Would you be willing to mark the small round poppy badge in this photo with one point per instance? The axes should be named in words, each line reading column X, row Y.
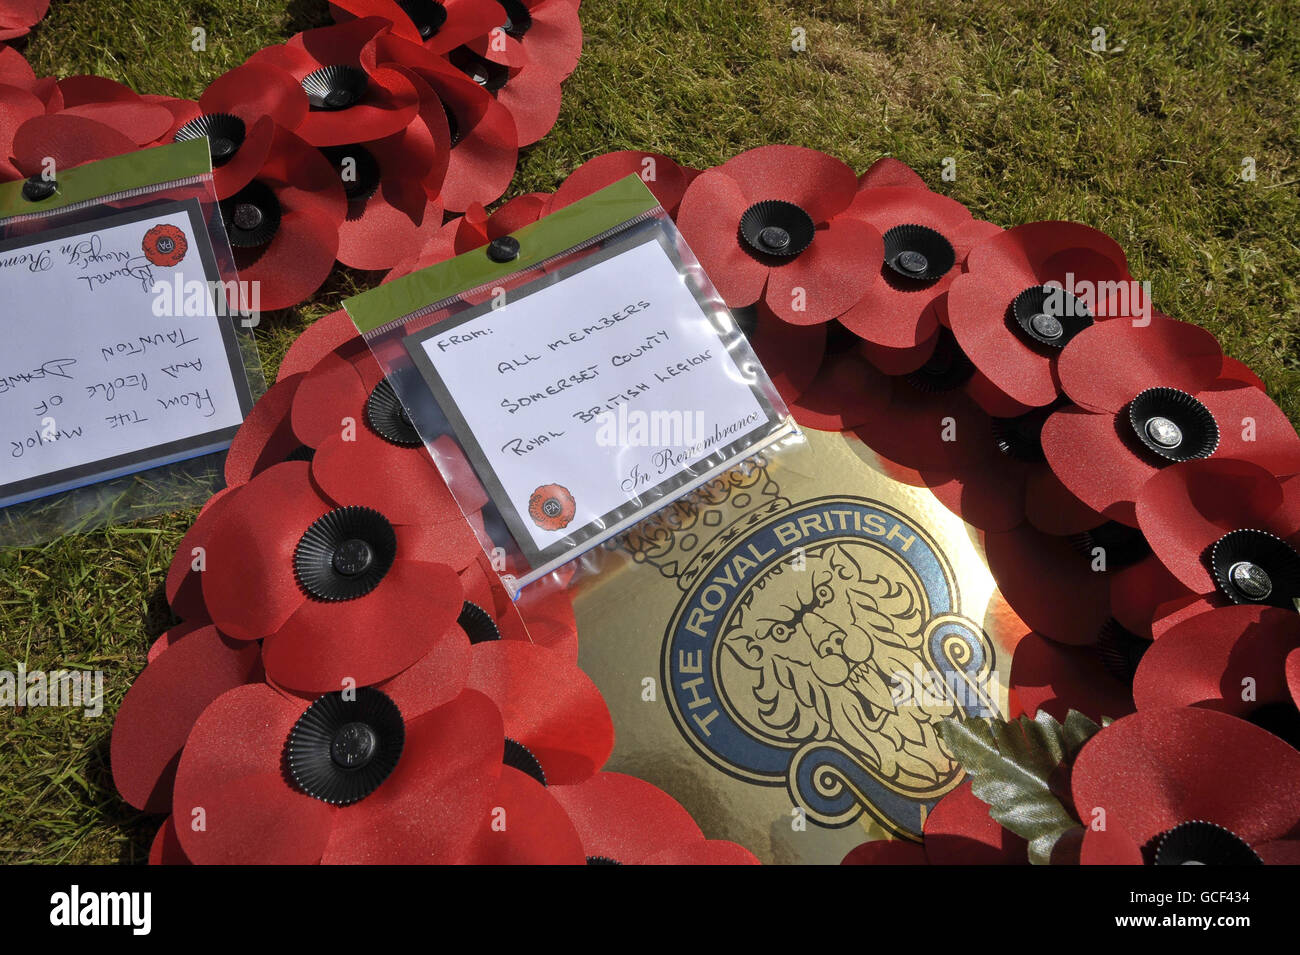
column 551, row 507
column 165, row 245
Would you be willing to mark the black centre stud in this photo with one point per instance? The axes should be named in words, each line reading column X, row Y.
column 918, row 253
column 345, row 554
column 332, row 88
column 38, row 188
column 345, row 745
column 1049, row 315
column 1254, row 566
column 388, row 418
column 778, row 228
column 1173, row 425
column 503, row 248
column 1203, row 843
column 224, row 132
column 427, row 15
column 518, row 20
column 491, row 76
column 251, row 216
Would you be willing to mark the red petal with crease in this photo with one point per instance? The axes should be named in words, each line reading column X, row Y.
column 526, row 826
column 138, row 121
column 166, row 847
column 960, row 831
column 1252, row 427
column 1184, row 509
column 833, row 273
column 160, row 708
column 1048, row 676
column 1051, row 587
column 709, row 220
column 668, row 183
column 548, row 705
column 328, row 333
column 625, row 819
column 887, row 171
column 67, row 139
column 255, row 90
column 259, row 820
column 533, row 98
column 16, row 107
column 266, row 437
column 436, row 678
column 370, row 638
column 430, row 809
column 412, row 491
column 819, row 184
column 1206, row 660
column 332, row 392
column 1095, row 462
column 249, row 586
column 1105, row 365
column 1160, row 767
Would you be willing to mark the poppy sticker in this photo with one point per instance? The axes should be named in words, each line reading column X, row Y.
column 165, row 244
column 551, row 507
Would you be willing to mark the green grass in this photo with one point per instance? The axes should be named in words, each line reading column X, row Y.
column 1145, row 141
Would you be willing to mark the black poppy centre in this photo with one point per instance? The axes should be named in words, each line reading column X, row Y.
column 1049, row 315
column 776, row 228
column 918, row 254
column 1173, row 424
column 345, row 745
column 345, row 554
column 333, row 88
column 1203, row 843
column 1254, row 566
column 224, row 132
column 251, row 216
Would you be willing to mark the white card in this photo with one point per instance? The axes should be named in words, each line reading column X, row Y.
column 587, row 403
column 116, row 357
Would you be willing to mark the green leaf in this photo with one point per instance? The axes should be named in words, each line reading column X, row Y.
column 1011, row 764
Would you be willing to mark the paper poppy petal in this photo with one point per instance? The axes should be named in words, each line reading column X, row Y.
column 1136, row 591
column 1105, row 365
column 887, row 851
column 828, row 277
column 155, row 718
column 555, row 39
column 533, row 98
column 255, row 90
column 15, row 70
column 327, row 397
column 1184, row 509
column 1208, row 660
column 166, row 846
column 1234, row 370
column 16, row 107
column 1095, row 462
column 412, row 492
column 249, row 586
column 184, row 585
column 431, row 807
column 68, row 139
column 328, row 333
column 790, row 354
column 383, row 227
column 297, row 261
column 1252, row 427
column 662, row 176
column 887, row 171
column 548, row 705
column 525, row 826
column 626, row 819
column 709, row 220
column 1050, row 507
column 138, row 121
column 819, row 184
column 259, row 820
column 436, row 678
column 1051, row 587
column 960, row 831
column 367, row 639
column 1055, row 678
column 266, row 437
column 1109, row 846
column 1160, row 767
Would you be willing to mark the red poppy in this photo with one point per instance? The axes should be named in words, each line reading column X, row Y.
column 439, row 26
column 1011, row 322
column 1232, row 659
column 772, row 223
column 1183, row 784
column 957, row 831
column 1148, row 396
column 663, row 177
column 351, row 98
column 284, row 224
column 17, row 17
column 17, row 106
column 239, row 113
column 623, row 820
column 523, row 61
column 484, row 139
column 471, row 231
column 1225, row 527
column 927, row 237
column 91, row 118
column 345, row 577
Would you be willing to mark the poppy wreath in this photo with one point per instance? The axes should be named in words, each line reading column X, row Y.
column 348, row 143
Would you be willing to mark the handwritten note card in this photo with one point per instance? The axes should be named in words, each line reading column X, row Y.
column 115, row 355
column 591, row 401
